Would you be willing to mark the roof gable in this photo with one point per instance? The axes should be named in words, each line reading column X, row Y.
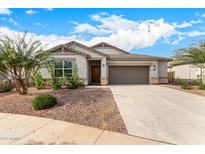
column 74, row 43
column 104, row 44
column 63, row 49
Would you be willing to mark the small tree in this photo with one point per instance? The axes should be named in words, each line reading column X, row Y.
column 74, row 81
column 191, row 55
column 39, row 81
column 55, row 81
column 19, row 57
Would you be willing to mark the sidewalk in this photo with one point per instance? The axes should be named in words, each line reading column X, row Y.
column 21, row 129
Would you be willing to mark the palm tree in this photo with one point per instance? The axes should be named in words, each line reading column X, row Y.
column 19, row 57
column 191, row 55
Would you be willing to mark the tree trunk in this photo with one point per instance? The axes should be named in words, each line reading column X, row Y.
column 16, row 82
column 23, row 88
column 20, row 86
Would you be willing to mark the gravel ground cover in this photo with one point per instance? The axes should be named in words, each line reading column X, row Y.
column 193, row 91
column 93, row 107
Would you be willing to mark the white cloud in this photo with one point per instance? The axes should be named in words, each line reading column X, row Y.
column 182, row 25
column 87, row 28
column 114, row 22
column 49, row 9
column 12, row 21
column 178, row 40
column 47, row 40
column 194, row 33
column 146, row 34
column 41, row 25
column 5, row 11
column 31, row 12
column 196, row 21
column 203, row 15
column 187, row 24
column 127, row 34
column 120, row 31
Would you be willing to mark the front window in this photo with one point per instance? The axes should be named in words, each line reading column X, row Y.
column 63, row 68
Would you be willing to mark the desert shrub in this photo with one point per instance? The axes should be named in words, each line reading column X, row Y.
column 186, row 85
column 5, row 86
column 202, row 86
column 44, row 101
column 196, row 82
column 178, row 81
column 56, row 83
column 81, row 83
column 74, row 81
column 39, row 81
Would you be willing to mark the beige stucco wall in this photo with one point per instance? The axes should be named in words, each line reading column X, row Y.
column 108, row 50
column 163, row 73
column 104, row 77
column 81, row 62
column 104, row 71
column 186, row 72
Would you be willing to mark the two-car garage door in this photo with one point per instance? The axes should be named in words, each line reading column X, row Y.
column 128, row 74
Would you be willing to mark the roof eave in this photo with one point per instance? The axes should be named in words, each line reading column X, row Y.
column 141, row 59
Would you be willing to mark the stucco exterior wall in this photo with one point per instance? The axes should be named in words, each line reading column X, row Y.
column 163, row 74
column 81, row 62
column 186, row 72
column 104, row 72
column 108, row 50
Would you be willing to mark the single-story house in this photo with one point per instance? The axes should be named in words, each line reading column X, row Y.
column 186, row 72
column 106, row 64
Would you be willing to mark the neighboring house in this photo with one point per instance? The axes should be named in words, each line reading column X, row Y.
column 106, row 64
column 186, row 72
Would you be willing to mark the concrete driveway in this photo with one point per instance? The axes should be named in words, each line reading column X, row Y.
column 161, row 113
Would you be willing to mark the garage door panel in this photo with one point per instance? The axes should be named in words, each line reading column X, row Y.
column 128, row 74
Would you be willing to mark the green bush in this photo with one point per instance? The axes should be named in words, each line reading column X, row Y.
column 186, row 85
column 56, row 83
column 74, row 82
column 179, row 81
column 196, row 82
column 44, row 101
column 39, row 81
column 5, row 86
column 202, row 86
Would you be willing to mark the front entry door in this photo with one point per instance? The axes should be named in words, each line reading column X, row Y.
column 95, row 74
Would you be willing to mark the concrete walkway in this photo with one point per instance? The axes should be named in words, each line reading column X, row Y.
column 22, row 129
column 161, row 113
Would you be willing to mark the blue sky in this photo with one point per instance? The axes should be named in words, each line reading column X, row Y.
column 144, row 31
